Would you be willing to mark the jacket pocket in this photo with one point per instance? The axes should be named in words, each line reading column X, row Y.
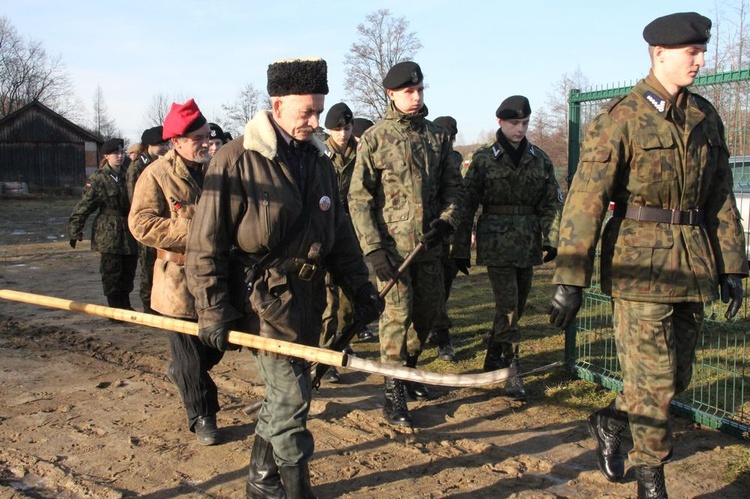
column 654, row 156
column 273, row 301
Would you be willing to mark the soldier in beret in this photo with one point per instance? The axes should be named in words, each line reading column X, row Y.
column 405, row 189
column 674, row 242
column 268, row 223
column 164, row 201
column 105, row 193
column 152, row 146
column 514, row 182
column 217, row 138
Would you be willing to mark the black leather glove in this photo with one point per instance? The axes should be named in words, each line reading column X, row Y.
column 383, row 263
column 367, row 304
column 440, row 230
column 550, row 253
column 566, row 301
column 217, row 337
column 462, row 264
column 731, row 292
column 73, row 240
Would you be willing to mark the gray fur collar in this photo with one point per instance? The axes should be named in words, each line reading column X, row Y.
column 260, row 136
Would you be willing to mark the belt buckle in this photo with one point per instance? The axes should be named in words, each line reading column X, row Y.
column 307, row 271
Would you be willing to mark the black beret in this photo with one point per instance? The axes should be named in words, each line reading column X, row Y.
column 297, row 77
column 359, row 125
column 215, row 132
column 152, row 136
column 227, row 136
column 112, row 145
column 448, row 123
column 338, row 116
column 403, row 74
column 515, row 107
column 682, row 28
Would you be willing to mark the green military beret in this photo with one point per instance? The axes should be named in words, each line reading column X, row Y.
column 403, row 74
column 515, row 107
column 338, row 116
column 682, row 28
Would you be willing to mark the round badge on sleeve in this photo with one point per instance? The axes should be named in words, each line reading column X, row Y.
column 325, row 203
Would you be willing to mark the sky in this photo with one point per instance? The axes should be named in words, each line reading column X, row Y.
column 474, row 54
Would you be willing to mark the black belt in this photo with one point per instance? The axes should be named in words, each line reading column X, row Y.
column 305, row 269
column 500, row 209
column 651, row 214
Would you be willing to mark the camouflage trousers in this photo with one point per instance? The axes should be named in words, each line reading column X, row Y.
column 146, row 259
column 338, row 314
column 118, row 273
column 443, row 320
column 656, row 349
column 511, row 287
column 411, row 307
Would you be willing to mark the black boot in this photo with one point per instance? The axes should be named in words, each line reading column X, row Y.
column 514, row 386
column 263, row 479
column 125, row 301
column 651, row 482
column 296, row 480
column 606, row 426
column 394, row 407
column 113, row 300
column 494, row 360
column 442, row 339
column 415, row 389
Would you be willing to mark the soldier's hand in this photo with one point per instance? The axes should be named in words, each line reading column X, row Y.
column 731, row 292
column 73, row 243
column 565, row 303
column 440, row 230
column 382, row 263
column 217, row 337
column 462, row 264
column 368, row 305
column 549, row 253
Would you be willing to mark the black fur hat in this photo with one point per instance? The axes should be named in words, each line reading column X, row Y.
column 297, row 77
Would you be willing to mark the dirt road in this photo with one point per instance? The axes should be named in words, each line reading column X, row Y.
column 86, row 411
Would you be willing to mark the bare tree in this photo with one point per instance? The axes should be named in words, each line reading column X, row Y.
column 102, row 124
column 28, row 73
column 242, row 109
column 157, row 110
column 384, row 40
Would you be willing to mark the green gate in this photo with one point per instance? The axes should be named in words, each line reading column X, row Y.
column 718, row 395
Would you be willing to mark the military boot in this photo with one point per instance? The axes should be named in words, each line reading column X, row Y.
column 415, row 389
column 442, row 339
column 125, row 301
column 263, row 479
column 394, row 406
column 113, row 301
column 651, row 483
column 296, row 480
column 514, row 386
column 606, row 426
column 494, row 359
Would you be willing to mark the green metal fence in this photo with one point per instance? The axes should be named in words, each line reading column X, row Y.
column 719, row 394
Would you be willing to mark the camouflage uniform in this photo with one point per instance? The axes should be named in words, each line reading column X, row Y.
column 146, row 254
column 646, row 150
column 520, row 214
column 106, row 194
column 403, row 180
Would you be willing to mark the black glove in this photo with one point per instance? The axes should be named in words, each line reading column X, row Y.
column 550, row 253
column 367, row 304
column 566, row 301
column 217, row 337
column 440, row 230
column 73, row 240
column 462, row 264
column 731, row 290
column 382, row 263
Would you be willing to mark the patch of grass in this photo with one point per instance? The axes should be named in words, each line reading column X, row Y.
column 737, row 465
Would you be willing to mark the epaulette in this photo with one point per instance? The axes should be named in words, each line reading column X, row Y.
column 609, row 106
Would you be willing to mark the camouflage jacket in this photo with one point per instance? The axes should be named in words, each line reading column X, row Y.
column 513, row 240
column 344, row 165
column 163, row 205
column 636, row 153
column 249, row 203
column 106, row 194
column 134, row 171
column 403, row 180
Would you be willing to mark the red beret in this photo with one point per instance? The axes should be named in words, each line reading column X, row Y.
column 182, row 119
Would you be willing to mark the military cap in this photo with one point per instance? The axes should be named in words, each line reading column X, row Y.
column 216, row 133
column 297, row 77
column 515, row 107
column 182, row 119
column 682, row 28
column 359, row 125
column 338, row 116
column 403, row 74
column 448, row 123
column 152, row 136
column 112, row 145
column 227, row 136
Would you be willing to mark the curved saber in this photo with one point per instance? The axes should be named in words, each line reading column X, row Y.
column 312, row 354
